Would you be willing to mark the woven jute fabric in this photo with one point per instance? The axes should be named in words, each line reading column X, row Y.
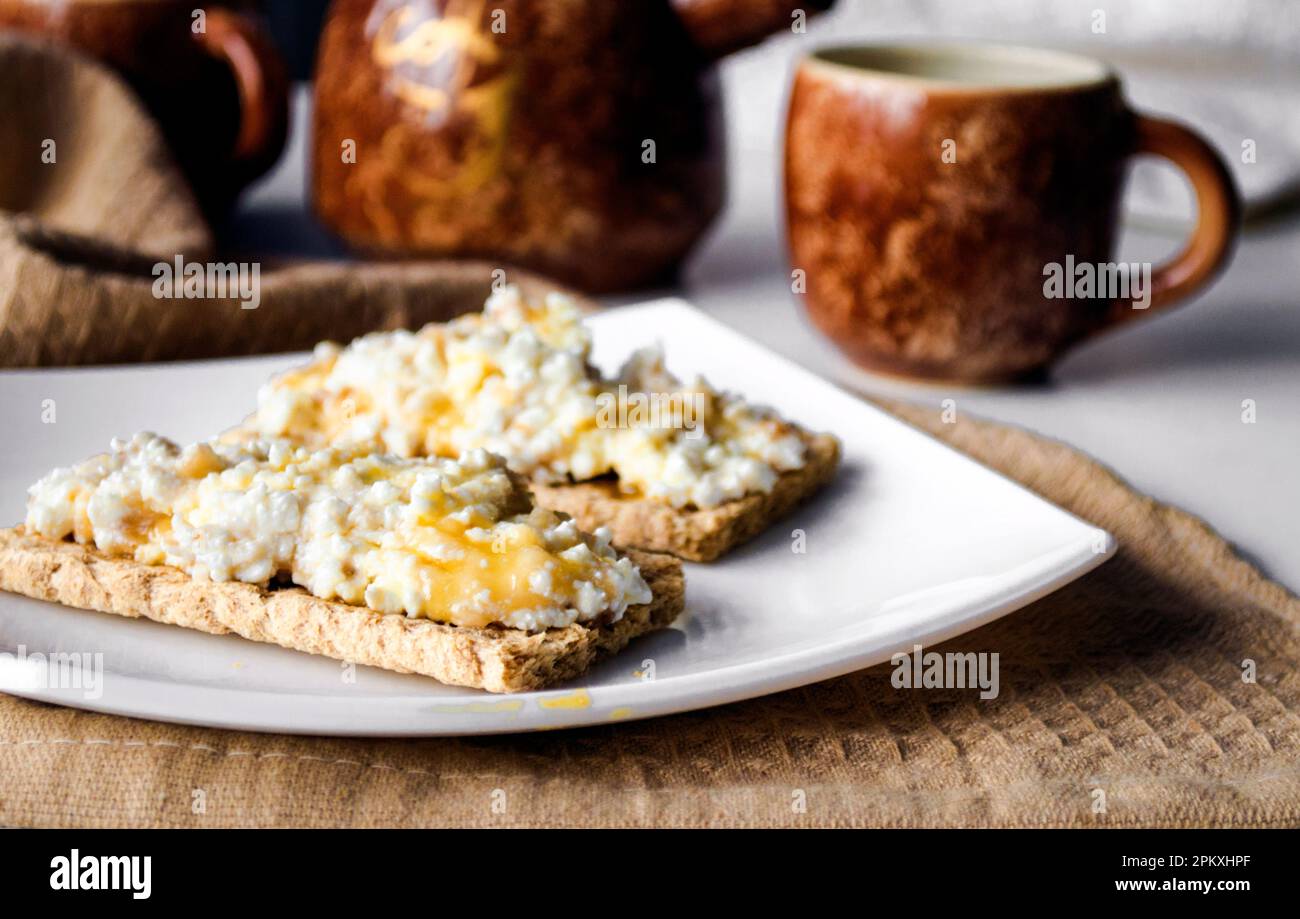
column 1122, row 702
column 1160, row 690
column 91, row 204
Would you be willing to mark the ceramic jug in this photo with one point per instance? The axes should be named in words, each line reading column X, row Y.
column 580, row 138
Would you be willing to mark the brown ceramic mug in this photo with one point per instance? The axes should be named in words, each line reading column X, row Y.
column 217, row 87
column 580, row 138
column 946, row 202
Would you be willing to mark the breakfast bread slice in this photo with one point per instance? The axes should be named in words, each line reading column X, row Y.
column 695, row 534
column 495, row 659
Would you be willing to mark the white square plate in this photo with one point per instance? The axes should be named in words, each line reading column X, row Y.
column 912, row 543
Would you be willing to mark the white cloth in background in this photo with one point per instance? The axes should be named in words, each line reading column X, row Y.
column 1231, row 68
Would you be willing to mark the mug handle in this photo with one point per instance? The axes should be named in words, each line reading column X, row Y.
column 259, row 79
column 1218, row 205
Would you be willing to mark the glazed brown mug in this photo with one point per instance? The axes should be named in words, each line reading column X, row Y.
column 215, row 83
column 580, row 138
column 952, row 208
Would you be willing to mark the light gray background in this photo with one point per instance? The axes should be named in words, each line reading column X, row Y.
column 1160, row 402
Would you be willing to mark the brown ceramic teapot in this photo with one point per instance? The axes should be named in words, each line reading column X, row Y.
column 581, row 138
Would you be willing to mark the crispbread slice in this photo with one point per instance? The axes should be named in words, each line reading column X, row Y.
column 699, row 535
column 495, row 659
column 693, row 534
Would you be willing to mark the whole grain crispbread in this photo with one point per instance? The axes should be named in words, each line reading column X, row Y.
column 697, row 535
column 495, row 659
column 693, row 534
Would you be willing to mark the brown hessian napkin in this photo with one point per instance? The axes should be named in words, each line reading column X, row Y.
column 90, row 203
column 1125, row 699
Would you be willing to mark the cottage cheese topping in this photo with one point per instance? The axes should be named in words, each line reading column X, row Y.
column 451, row 540
column 515, row 380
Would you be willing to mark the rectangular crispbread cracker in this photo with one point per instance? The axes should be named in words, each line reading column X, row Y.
column 697, row 535
column 495, row 659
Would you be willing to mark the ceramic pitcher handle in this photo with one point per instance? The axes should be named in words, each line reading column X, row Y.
column 1218, row 219
column 259, row 78
column 719, row 27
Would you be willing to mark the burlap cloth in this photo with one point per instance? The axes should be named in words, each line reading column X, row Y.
column 1122, row 701
column 90, row 202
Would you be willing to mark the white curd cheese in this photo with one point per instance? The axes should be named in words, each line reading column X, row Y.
column 453, row 540
column 516, row 380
